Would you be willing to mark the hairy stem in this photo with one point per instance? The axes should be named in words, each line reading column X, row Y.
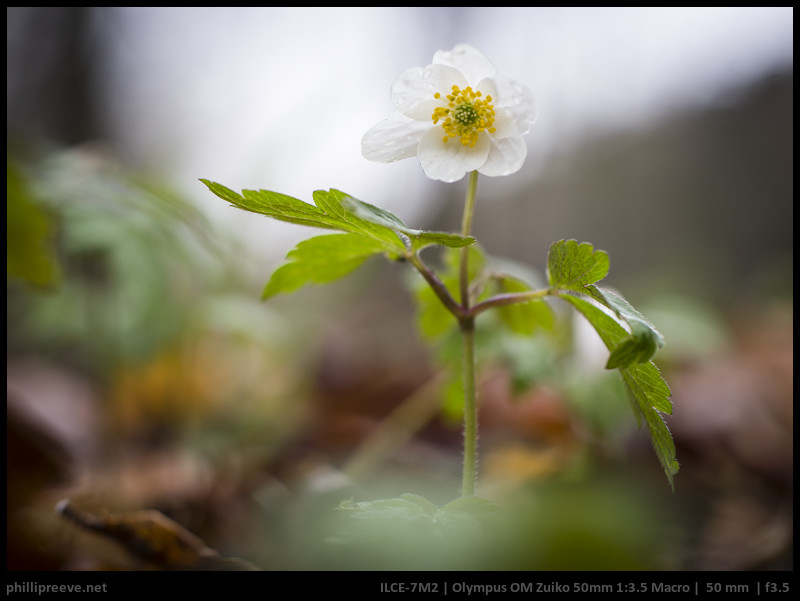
column 467, row 325
column 466, row 229
column 511, row 298
column 437, row 286
column 470, row 469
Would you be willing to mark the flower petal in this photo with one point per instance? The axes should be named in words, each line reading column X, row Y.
column 505, row 124
column 471, row 62
column 517, row 99
column 506, row 156
column 450, row 161
column 394, row 138
column 412, row 92
column 487, row 88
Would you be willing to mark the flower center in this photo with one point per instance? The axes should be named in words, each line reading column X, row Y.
column 466, row 115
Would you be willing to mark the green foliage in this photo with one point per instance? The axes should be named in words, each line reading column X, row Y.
column 411, row 533
column 419, row 239
column 370, row 231
column 320, row 260
column 433, row 319
column 126, row 247
column 601, row 522
column 650, row 392
column 460, row 517
column 466, row 514
column 573, row 269
column 646, row 389
column 636, row 347
column 644, row 340
column 339, row 211
column 631, row 339
column 506, row 336
column 29, row 254
column 573, row 266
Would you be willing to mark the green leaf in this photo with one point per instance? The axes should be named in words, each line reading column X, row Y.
column 407, row 508
column 225, row 193
column 339, row 211
column 644, row 341
column 646, row 389
column 610, row 331
column 523, row 318
column 576, row 267
column 373, row 214
column 328, row 212
column 650, row 385
column 573, row 266
column 275, row 205
column 649, row 391
column 339, row 208
column 471, row 505
column 637, row 349
column 419, row 239
column 465, row 515
column 321, row 260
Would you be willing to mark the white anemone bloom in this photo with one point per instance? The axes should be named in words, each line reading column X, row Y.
column 456, row 115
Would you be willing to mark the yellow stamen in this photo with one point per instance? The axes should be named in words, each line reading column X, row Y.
column 466, row 116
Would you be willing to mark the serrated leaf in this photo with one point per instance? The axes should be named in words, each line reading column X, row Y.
column 610, row 331
column 336, row 210
column 465, row 515
column 339, row 208
column 650, row 385
column 321, row 260
column 637, row 349
column 649, row 390
column 573, row 266
column 223, row 192
column 471, row 505
column 406, row 508
column 523, row 318
column 421, row 502
column 280, row 207
column 646, row 389
column 419, row 239
column 644, row 341
column 328, row 212
column 373, row 214
column 638, row 345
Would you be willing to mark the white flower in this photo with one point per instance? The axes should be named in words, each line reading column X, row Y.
column 456, row 115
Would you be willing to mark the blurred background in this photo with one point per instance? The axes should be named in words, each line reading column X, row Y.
column 144, row 372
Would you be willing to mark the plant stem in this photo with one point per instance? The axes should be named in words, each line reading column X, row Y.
column 470, row 469
column 467, row 324
column 510, row 298
column 466, row 229
column 437, row 286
